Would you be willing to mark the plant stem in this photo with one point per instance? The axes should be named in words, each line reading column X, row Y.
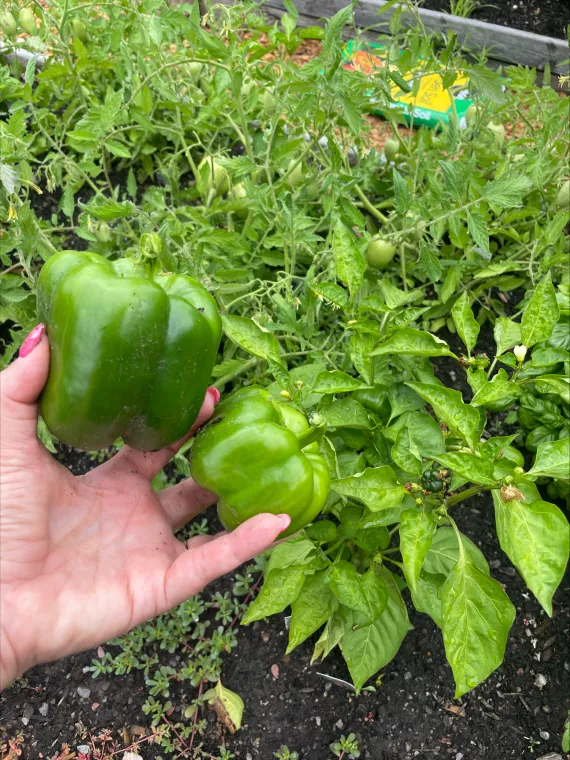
column 492, row 367
column 369, row 207
column 394, row 562
column 467, row 494
column 310, row 436
column 403, row 266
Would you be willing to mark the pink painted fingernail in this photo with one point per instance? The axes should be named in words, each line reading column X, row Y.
column 285, row 521
column 32, row 340
column 214, row 393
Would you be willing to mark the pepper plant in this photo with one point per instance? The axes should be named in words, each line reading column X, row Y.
column 406, row 452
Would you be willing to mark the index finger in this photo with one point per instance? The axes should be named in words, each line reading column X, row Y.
column 197, row 567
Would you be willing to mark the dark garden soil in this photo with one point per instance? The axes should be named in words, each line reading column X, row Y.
column 547, row 17
column 517, row 713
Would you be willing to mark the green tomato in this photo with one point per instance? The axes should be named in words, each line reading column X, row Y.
column 415, row 232
column 312, row 190
column 247, row 87
column 380, row 253
column 8, row 24
column 212, row 176
column 268, row 103
column 103, row 232
column 239, row 191
column 194, row 70
column 498, row 131
column 471, row 114
column 563, row 197
column 391, row 148
column 237, row 194
column 295, row 176
column 150, row 244
column 79, row 31
column 27, row 21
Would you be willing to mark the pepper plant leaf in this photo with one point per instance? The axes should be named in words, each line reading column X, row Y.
column 417, row 529
column 535, row 537
column 370, row 648
column 476, row 618
column 376, row 487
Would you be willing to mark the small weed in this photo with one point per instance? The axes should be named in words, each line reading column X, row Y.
column 346, row 748
column 284, row 753
column 11, row 749
column 187, row 645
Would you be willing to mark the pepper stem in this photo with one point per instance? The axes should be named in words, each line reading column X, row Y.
column 310, row 436
column 150, row 247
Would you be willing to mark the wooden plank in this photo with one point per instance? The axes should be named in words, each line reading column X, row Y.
column 501, row 43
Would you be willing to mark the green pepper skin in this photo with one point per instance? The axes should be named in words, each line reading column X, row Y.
column 431, row 482
column 252, row 456
column 375, row 400
column 131, row 351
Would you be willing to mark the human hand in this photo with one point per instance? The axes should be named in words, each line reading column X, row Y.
column 84, row 559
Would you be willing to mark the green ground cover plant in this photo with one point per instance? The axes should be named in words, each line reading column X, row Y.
column 334, row 266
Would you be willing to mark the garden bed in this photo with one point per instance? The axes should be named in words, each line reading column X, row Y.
column 546, row 17
column 472, row 224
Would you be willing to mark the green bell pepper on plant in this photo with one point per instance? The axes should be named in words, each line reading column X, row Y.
column 258, row 455
column 375, row 400
column 432, row 481
column 132, row 350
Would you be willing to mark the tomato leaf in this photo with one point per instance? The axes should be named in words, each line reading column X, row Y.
column 467, row 327
column 349, row 259
column 249, row 336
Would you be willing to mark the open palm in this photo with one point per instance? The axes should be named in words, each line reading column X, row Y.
column 86, row 558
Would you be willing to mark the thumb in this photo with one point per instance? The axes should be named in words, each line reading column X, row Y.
column 20, row 386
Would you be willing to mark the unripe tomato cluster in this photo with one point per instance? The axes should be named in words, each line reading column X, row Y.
column 26, row 22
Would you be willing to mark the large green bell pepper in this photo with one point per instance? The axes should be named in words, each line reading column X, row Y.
column 132, row 350
column 258, row 455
